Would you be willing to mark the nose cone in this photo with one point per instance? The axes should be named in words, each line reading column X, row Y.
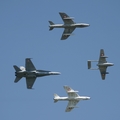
column 88, row 98
column 54, row 73
column 112, row 64
column 86, row 25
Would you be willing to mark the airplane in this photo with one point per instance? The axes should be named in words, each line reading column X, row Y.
column 73, row 98
column 69, row 25
column 30, row 73
column 102, row 64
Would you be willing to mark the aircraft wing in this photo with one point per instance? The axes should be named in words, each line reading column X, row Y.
column 30, row 82
column 102, row 58
column 29, row 65
column 70, row 92
column 103, row 71
column 66, row 19
column 71, row 105
column 67, row 32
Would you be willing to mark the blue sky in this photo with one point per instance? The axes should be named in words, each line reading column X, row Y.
column 24, row 32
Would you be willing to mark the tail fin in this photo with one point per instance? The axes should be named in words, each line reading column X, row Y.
column 51, row 23
column 55, row 98
column 89, row 64
column 16, row 68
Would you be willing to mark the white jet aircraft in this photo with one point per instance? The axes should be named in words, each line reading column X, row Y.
column 73, row 98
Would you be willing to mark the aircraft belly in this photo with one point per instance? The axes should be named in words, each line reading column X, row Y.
column 58, row 26
column 102, row 65
column 42, row 75
column 74, row 98
column 31, row 76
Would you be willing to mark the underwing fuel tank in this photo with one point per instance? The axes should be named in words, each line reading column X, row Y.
column 89, row 64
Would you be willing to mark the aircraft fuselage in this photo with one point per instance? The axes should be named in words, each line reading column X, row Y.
column 105, row 64
column 36, row 73
column 72, row 98
column 79, row 25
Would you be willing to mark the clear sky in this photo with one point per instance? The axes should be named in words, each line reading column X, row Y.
column 24, row 32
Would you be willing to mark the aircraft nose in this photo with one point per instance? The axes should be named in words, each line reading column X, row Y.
column 54, row 73
column 89, row 98
column 57, row 73
column 112, row 64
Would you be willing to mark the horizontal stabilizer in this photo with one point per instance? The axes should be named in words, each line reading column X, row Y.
column 16, row 68
column 56, row 96
column 51, row 23
column 17, row 79
column 55, row 101
column 51, row 28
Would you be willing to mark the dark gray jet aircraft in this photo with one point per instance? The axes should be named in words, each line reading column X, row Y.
column 69, row 25
column 30, row 73
column 102, row 64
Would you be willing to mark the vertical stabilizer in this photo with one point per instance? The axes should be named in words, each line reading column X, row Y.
column 89, row 64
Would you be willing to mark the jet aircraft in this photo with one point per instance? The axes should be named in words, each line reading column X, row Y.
column 69, row 25
column 102, row 64
column 30, row 73
column 73, row 98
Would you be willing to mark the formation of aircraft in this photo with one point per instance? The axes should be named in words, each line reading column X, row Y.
column 69, row 25
column 30, row 73
column 73, row 98
column 102, row 64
